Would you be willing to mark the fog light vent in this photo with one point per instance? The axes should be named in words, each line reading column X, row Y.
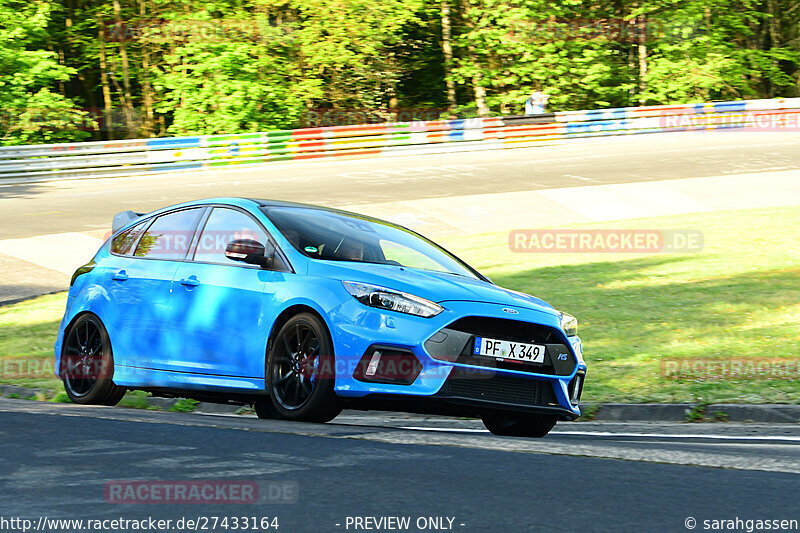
column 373, row 364
column 388, row 365
column 575, row 388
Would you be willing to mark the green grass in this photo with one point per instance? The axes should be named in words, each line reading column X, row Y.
column 184, row 405
column 27, row 334
column 738, row 298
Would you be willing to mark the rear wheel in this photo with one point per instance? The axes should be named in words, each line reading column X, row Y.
column 87, row 365
column 301, row 371
column 519, row 425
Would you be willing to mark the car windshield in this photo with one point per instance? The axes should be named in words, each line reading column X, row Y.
column 334, row 236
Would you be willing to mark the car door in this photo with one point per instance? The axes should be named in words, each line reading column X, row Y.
column 222, row 306
column 140, row 282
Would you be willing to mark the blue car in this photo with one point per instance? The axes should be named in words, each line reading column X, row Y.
column 302, row 311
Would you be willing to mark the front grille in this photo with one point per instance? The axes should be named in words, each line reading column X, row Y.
column 496, row 388
column 456, row 343
column 503, row 328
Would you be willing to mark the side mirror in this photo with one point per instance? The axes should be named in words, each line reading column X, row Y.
column 251, row 252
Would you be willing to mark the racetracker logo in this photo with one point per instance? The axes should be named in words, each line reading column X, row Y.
column 622, row 241
column 199, row 492
column 785, row 120
column 728, row 369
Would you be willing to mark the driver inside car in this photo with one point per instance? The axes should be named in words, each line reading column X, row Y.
column 349, row 250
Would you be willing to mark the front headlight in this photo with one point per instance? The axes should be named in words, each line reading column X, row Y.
column 568, row 323
column 383, row 298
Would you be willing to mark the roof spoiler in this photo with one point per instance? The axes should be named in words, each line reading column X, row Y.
column 123, row 219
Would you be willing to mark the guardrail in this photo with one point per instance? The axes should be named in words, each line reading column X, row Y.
column 143, row 156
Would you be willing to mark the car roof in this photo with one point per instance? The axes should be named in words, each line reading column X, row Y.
column 298, row 205
column 247, row 202
column 282, row 203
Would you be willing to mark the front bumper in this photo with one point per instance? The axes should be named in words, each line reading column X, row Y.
column 473, row 383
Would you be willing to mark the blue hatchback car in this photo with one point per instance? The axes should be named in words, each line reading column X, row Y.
column 301, row 311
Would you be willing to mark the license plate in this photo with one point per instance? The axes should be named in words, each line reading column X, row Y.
column 518, row 351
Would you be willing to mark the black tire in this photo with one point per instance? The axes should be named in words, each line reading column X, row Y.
column 115, row 397
column 301, row 371
column 265, row 409
column 87, row 364
column 519, row 425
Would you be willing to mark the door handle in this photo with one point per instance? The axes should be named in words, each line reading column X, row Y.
column 120, row 276
column 191, row 281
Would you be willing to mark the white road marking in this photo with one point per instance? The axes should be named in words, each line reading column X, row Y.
column 783, row 438
column 786, row 438
column 456, row 430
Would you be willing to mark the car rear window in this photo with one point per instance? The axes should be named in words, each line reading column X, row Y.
column 121, row 244
column 170, row 236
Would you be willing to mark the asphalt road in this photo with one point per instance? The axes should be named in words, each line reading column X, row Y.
column 56, row 460
column 49, row 229
column 28, row 210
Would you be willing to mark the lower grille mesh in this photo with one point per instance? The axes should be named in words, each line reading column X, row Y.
column 497, row 388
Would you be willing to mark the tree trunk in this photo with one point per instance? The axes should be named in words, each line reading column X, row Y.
column 477, row 79
column 642, row 58
column 148, row 127
column 130, row 122
column 61, row 61
column 108, row 120
column 775, row 42
column 447, row 48
column 480, row 96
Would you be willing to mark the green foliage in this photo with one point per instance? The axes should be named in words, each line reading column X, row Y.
column 589, row 411
column 135, row 400
column 108, row 69
column 720, row 416
column 31, row 113
column 697, row 414
column 61, row 397
column 184, row 405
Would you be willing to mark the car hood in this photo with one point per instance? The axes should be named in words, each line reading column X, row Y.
column 435, row 286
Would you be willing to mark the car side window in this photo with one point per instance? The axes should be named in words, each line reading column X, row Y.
column 121, row 244
column 223, row 226
column 169, row 236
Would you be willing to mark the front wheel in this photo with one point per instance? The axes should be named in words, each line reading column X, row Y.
column 264, row 408
column 87, row 364
column 519, row 425
column 301, row 371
